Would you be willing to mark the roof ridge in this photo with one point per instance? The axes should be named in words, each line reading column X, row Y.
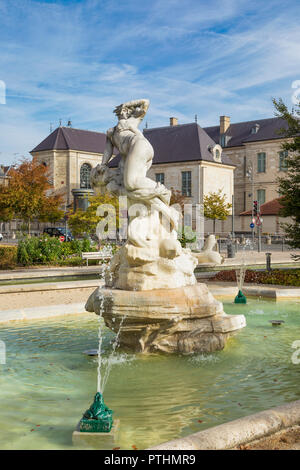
column 82, row 130
column 246, row 122
column 170, row 127
column 65, row 138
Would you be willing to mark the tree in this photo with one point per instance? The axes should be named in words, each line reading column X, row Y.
column 29, row 195
column 289, row 184
column 85, row 222
column 177, row 198
column 216, row 207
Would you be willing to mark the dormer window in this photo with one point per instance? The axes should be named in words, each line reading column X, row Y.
column 224, row 139
column 255, row 129
column 216, row 152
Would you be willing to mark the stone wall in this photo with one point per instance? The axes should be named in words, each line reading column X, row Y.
column 242, row 157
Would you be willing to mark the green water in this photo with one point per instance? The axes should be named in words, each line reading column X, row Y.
column 47, row 381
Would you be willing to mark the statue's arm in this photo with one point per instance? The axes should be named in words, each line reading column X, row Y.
column 108, row 151
column 143, row 104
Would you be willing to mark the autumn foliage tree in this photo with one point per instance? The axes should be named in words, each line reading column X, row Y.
column 216, row 207
column 29, row 195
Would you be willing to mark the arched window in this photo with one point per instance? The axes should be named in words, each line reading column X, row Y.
column 85, row 176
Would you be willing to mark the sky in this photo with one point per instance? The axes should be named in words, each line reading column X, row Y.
column 77, row 59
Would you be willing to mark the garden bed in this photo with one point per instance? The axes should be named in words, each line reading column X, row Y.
column 279, row 277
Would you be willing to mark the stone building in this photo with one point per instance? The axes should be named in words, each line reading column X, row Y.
column 186, row 158
column 243, row 159
column 70, row 155
column 4, row 174
column 255, row 148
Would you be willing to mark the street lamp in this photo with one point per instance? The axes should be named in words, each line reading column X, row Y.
column 250, row 175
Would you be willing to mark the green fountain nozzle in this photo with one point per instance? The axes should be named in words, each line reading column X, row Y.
column 98, row 418
column 240, row 298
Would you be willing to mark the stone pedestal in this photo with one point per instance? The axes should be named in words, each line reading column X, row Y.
column 81, row 198
column 185, row 320
column 96, row 440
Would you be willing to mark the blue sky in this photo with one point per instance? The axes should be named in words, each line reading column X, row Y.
column 77, row 60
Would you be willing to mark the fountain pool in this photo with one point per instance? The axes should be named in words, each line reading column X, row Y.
column 47, row 381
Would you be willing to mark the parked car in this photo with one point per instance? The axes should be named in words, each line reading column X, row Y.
column 1, row 237
column 59, row 232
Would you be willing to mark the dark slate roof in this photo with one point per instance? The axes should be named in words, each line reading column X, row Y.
column 68, row 138
column 268, row 208
column 240, row 132
column 181, row 143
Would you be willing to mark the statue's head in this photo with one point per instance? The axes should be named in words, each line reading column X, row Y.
column 125, row 112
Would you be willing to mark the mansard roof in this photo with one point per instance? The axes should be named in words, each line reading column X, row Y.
column 240, row 133
column 68, row 138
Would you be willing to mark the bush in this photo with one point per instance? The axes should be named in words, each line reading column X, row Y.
column 8, row 257
column 280, row 277
column 187, row 236
column 49, row 250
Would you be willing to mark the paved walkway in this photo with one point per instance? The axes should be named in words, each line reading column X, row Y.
column 48, row 271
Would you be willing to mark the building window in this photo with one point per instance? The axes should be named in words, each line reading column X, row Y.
column 282, row 160
column 261, row 196
column 186, row 183
column 160, row 178
column 261, row 162
column 85, row 176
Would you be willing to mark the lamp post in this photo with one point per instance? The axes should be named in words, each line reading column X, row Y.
column 250, row 175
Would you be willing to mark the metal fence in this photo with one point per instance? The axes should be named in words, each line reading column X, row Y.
column 278, row 243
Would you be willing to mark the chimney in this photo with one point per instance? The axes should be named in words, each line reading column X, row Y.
column 224, row 124
column 173, row 121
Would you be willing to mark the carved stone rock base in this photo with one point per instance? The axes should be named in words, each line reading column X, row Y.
column 185, row 320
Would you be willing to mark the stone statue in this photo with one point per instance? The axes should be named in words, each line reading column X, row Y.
column 151, row 296
column 152, row 256
column 208, row 255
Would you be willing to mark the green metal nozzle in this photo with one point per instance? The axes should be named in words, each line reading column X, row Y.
column 98, row 418
column 240, row 298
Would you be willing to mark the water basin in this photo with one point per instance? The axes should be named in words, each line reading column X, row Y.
column 47, row 381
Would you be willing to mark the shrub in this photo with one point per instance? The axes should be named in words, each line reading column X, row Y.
column 280, row 277
column 8, row 257
column 49, row 250
column 187, row 236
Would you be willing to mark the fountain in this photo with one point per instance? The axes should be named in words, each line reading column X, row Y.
column 240, row 277
column 151, row 298
column 150, row 279
column 241, row 272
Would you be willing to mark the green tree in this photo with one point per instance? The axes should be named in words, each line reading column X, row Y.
column 29, row 195
column 85, row 222
column 216, row 207
column 289, row 184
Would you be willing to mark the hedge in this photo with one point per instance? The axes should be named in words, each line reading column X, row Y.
column 8, row 257
column 280, row 277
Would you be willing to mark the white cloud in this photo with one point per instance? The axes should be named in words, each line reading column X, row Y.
column 189, row 57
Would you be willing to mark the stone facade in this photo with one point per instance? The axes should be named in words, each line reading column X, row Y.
column 64, row 168
column 206, row 177
column 244, row 157
column 247, row 155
